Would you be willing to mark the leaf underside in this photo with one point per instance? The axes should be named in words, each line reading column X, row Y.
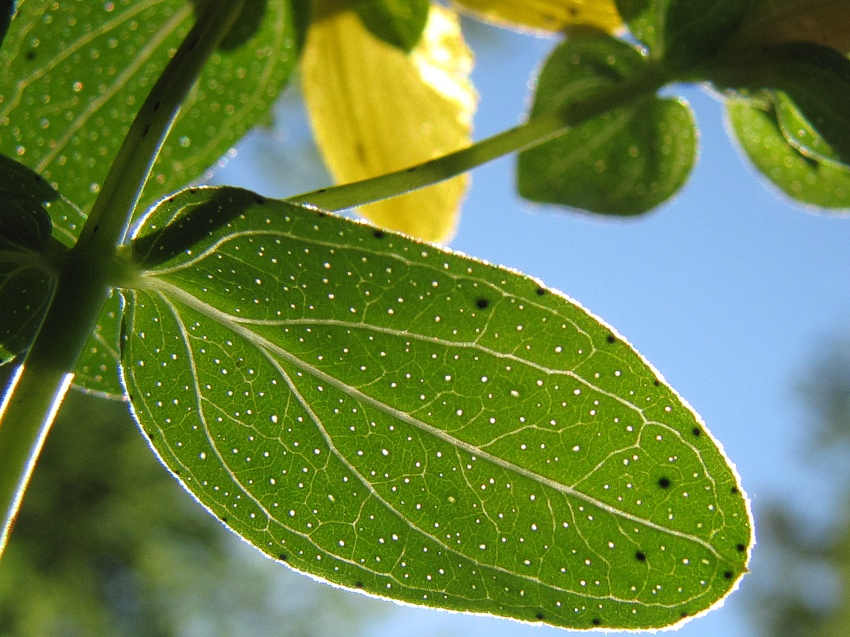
column 625, row 162
column 806, row 178
column 415, row 424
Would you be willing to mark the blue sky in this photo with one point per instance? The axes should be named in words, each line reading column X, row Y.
column 729, row 290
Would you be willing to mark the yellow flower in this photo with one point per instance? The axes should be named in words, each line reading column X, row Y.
column 376, row 109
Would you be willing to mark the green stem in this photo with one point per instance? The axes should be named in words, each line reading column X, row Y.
column 32, row 399
column 535, row 131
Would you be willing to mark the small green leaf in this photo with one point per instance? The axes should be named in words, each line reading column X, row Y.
column 812, row 92
column 404, row 421
column 803, row 177
column 396, row 22
column 73, row 75
column 625, row 162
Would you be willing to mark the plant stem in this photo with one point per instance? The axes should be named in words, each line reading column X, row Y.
column 32, row 399
column 536, row 131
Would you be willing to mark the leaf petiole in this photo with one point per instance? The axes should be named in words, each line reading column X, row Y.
column 536, row 130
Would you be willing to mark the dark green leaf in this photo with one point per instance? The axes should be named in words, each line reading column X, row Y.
column 7, row 10
column 17, row 178
column 396, row 22
column 694, row 31
column 27, row 276
column 24, row 223
column 415, row 424
column 73, row 74
column 683, row 32
column 643, row 19
column 804, row 178
column 625, row 162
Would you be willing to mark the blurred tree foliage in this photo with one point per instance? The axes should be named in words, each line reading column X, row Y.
column 804, row 589
column 108, row 544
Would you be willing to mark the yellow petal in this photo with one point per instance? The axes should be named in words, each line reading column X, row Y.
column 547, row 15
column 375, row 110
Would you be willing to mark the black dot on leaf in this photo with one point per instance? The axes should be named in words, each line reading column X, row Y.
column 30, row 55
column 540, row 291
column 696, row 431
column 663, row 482
column 656, row 382
column 539, row 616
column 358, row 584
column 223, row 518
column 260, row 200
column 611, row 338
column 482, row 304
column 282, row 557
column 741, row 548
column 734, row 490
column 378, row 234
column 596, row 621
column 727, row 574
column 683, row 615
column 640, row 556
column 321, row 214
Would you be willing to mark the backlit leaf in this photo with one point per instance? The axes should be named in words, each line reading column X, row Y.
column 97, row 369
column 396, row 22
column 414, row 424
column 804, row 178
column 375, row 109
column 624, row 162
column 74, row 73
column 811, row 84
column 546, row 15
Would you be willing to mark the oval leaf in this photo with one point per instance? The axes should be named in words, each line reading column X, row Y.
column 407, row 422
column 804, row 178
column 396, row 22
column 648, row 147
column 549, row 15
column 375, row 110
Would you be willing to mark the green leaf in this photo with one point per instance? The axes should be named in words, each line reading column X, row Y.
column 625, row 162
column 812, row 90
column 642, row 17
column 396, row 22
column 27, row 278
column 683, row 33
column 404, row 421
column 695, row 31
column 73, row 74
column 801, row 177
column 97, row 369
